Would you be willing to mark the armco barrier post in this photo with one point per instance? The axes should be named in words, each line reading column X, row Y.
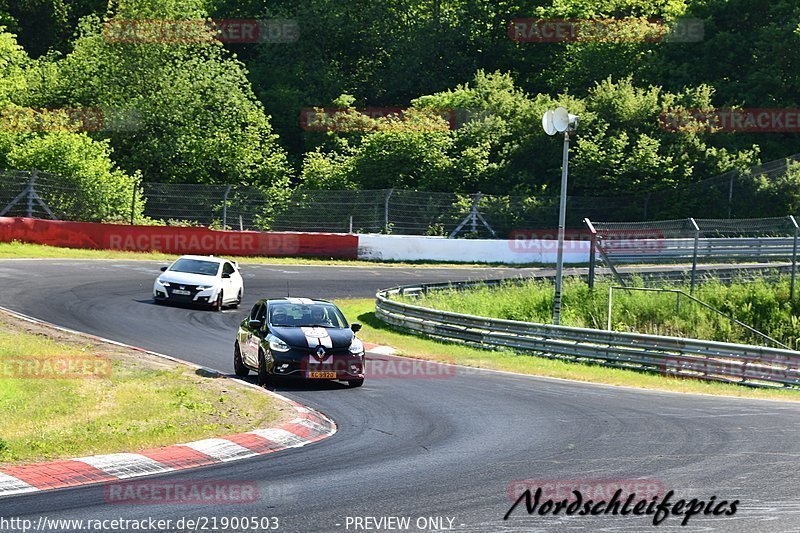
column 794, row 256
column 694, row 254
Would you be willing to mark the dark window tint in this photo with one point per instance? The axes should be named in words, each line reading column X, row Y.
column 257, row 310
column 195, row 266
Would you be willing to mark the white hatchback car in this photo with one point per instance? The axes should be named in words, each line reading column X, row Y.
column 200, row 280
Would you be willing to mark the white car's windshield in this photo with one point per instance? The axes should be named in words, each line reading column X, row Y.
column 195, row 266
column 322, row 315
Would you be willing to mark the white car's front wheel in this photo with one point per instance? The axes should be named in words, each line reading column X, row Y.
column 217, row 305
column 238, row 300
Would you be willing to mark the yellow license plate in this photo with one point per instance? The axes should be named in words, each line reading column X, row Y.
column 321, row 375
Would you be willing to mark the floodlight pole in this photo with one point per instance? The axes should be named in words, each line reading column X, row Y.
column 562, row 215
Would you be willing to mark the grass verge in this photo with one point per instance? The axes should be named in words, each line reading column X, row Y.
column 375, row 331
column 19, row 250
column 118, row 400
column 765, row 305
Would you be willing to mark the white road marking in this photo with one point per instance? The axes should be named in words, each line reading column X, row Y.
column 281, row 436
column 12, row 485
column 221, row 449
column 125, row 465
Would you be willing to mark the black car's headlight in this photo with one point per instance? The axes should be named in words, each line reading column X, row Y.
column 356, row 347
column 277, row 345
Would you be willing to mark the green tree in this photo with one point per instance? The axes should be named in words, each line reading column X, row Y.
column 190, row 112
column 47, row 25
column 406, row 152
column 83, row 183
column 13, row 64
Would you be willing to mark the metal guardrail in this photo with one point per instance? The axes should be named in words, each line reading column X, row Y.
column 725, row 248
column 680, row 240
column 756, row 366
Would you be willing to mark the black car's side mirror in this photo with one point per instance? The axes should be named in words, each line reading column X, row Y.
column 356, row 327
column 164, row 269
column 255, row 324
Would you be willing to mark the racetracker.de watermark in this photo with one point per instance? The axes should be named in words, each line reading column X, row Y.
column 595, row 489
column 159, row 492
column 232, row 31
column 232, row 243
column 66, row 119
column 727, row 120
column 556, row 30
column 323, row 119
column 404, row 368
column 764, row 368
column 55, row 367
column 577, row 242
column 379, row 367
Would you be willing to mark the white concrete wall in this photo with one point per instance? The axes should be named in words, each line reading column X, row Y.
column 414, row 248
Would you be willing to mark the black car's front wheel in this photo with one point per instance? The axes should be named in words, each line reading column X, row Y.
column 355, row 382
column 263, row 375
column 238, row 365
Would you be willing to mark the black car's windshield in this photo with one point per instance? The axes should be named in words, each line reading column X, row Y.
column 323, row 315
column 195, row 266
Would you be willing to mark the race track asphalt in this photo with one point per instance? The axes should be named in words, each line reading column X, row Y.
column 427, row 447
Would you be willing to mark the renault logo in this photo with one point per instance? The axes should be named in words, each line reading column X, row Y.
column 320, row 352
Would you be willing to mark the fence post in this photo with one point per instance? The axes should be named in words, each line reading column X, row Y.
column 31, row 192
column 225, row 208
column 592, row 245
column 730, row 194
column 386, row 211
column 133, row 203
column 475, row 200
column 610, row 296
column 473, row 217
column 794, row 256
column 694, row 255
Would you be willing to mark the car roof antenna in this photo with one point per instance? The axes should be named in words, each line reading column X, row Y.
column 287, row 289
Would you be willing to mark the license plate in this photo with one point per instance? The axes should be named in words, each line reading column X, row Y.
column 321, row 375
column 184, row 293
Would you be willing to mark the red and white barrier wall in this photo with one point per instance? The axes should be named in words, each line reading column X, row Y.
column 175, row 240
column 507, row 251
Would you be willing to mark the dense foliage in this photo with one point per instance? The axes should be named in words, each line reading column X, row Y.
column 201, row 111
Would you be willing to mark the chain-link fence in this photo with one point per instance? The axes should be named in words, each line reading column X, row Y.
column 698, row 242
column 755, row 192
column 41, row 195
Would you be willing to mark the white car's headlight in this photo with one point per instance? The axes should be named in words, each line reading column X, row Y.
column 204, row 288
column 356, row 346
column 277, row 345
column 162, row 283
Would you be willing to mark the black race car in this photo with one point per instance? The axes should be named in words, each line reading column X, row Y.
column 299, row 337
